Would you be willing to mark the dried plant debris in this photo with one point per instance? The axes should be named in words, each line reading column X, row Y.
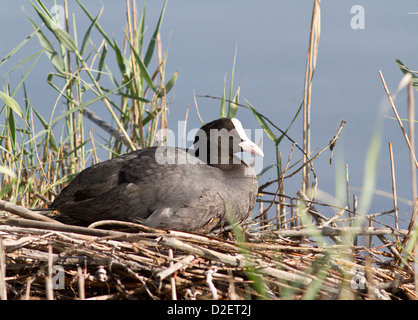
column 47, row 260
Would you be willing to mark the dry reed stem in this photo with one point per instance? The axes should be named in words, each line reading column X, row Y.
column 135, row 71
column 309, row 72
column 347, row 188
column 48, row 278
column 411, row 116
column 395, row 111
column 330, row 145
column 395, row 199
column 80, row 283
column 332, row 232
column 23, row 212
column 412, row 224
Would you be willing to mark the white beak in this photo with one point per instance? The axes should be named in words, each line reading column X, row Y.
column 246, row 144
column 249, row 146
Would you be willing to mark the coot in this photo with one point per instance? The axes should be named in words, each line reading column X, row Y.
column 197, row 189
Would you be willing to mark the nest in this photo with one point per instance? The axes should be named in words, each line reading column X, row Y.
column 118, row 260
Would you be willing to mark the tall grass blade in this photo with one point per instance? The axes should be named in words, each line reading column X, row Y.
column 45, row 10
column 223, row 102
column 52, row 55
column 406, row 70
column 83, row 105
column 11, row 126
column 233, row 106
column 141, row 30
column 168, row 86
column 102, row 63
column 12, row 104
column 291, row 123
column 97, row 25
column 231, row 85
column 16, row 49
column 151, row 46
column 263, row 123
column 123, row 63
column 51, row 140
column 142, row 66
column 86, row 38
column 62, row 36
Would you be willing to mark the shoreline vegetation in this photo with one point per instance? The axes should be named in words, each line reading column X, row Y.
column 289, row 249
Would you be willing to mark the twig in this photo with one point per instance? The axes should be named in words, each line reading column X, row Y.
column 334, row 217
column 48, row 278
column 23, row 212
column 172, row 278
column 233, row 261
column 319, row 218
column 340, row 231
column 263, row 213
column 121, row 137
column 39, row 196
column 330, row 144
column 396, row 253
column 175, row 267
column 61, row 227
column 122, row 224
column 210, row 284
column 80, row 283
column 3, row 291
column 392, row 285
column 347, row 189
